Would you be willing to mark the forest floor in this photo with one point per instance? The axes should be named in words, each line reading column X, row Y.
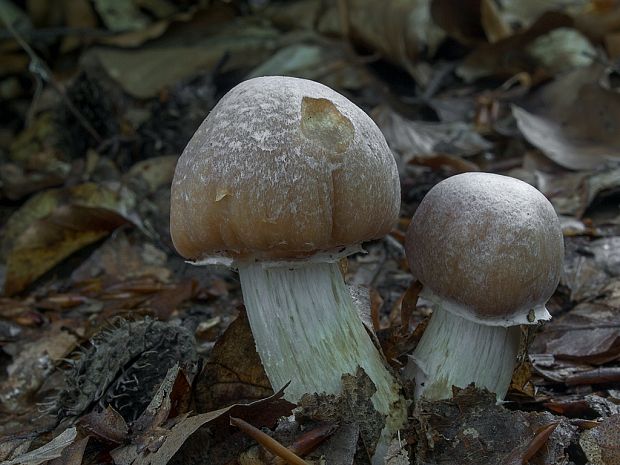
column 114, row 350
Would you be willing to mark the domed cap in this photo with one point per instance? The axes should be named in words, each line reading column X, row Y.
column 282, row 168
column 490, row 247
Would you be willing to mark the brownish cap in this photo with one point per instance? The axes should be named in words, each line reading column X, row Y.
column 282, row 168
column 489, row 246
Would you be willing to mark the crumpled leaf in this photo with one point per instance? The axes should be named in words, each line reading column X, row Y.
column 123, row 257
column 54, row 224
column 144, row 72
column 398, row 30
column 234, row 372
column 574, row 119
column 572, row 193
column 590, row 334
column 562, row 50
column 49, row 451
column 352, row 405
column 510, row 56
column 472, row 429
column 526, row 12
column 120, row 15
column 33, row 361
column 328, row 65
column 263, row 412
column 73, row 454
column 590, row 267
column 589, row 406
column 418, row 139
column 471, row 21
column 153, row 173
column 107, row 425
column 602, row 443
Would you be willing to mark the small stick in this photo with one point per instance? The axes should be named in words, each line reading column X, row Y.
column 267, row 442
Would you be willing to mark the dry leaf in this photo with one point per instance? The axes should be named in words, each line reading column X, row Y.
column 234, row 372
column 54, row 224
column 472, row 429
column 398, row 30
column 33, row 361
column 602, row 443
column 260, row 413
column 418, row 139
column 49, row 451
column 144, row 72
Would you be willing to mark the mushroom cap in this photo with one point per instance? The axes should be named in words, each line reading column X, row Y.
column 282, row 169
column 490, row 247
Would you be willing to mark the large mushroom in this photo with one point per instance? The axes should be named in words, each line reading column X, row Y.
column 281, row 180
column 488, row 250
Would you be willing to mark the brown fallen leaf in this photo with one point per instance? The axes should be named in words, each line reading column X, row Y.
column 573, row 120
column 33, row 362
column 485, row 432
column 55, row 223
column 418, row 140
column 351, row 406
column 263, row 412
column 510, row 56
column 72, row 455
column 107, row 425
column 577, row 406
column 602, row 443
column 398, row 30
column 51, row 450
column 144, row 72
column 234, row 371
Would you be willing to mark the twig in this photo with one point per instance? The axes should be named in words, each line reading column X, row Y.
column 268, row 442
column 42, row 73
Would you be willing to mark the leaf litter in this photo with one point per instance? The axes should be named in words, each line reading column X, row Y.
column 97, row 107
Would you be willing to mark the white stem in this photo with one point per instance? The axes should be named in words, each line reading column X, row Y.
column 307, row 331
column 457, row 352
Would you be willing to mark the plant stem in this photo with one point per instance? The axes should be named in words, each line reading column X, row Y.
column 457, row 352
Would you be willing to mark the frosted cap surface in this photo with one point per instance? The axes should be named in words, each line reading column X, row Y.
column 282, row 168
column 491, row 246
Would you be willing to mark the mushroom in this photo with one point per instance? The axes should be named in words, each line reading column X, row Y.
column 488, row 251
column 281, row 180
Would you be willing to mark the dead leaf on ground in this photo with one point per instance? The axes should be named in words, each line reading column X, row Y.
column 352, row 406
column 107, row 425
column 234, row 371
column 411, row 140
column 260, row 413
column 400, row 31
column 602, row 443
column 324, row 62
column 124, row 256
column 589, row 333
column 146, row 71
column 588, row 407
column 589, row 267
column 573, row 120
column 51, row 450
column 470, row 22
column 510, row 56
column 573, row 193
column 53, row 224
column 33, row 361
column 471, row 429
column 73, row 454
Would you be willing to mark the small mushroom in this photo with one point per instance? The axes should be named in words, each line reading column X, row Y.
column 488, row 250
column 281, row 180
